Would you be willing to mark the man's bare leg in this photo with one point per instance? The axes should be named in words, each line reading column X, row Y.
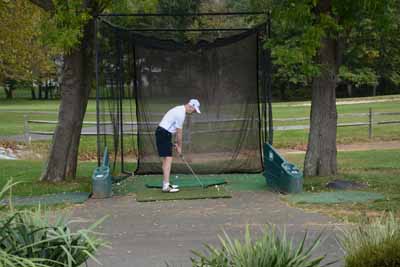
column 166, row 166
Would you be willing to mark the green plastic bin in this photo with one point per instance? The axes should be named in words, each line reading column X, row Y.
column 102, row 179
column 280, row 174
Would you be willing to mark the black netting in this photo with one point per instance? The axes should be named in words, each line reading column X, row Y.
column 116, row 99
column 140, row 78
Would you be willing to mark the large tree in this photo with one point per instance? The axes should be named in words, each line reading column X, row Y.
column 337, row 18
column 321, row 150
column 70, row 26
column 309, row 40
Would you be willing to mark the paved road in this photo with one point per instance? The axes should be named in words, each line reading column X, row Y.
column 150, row 234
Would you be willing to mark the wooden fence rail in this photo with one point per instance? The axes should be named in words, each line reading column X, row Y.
column 131, row 126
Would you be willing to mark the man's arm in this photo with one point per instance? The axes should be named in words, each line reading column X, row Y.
column 179, row 140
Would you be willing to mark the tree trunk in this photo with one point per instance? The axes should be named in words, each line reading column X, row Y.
column 75, row 88
column 46, row 91
column 320, row 158
column 88, row 74
column 9, row 92
column 282, row 90
column 51, row 92
column 40, row 91
column 349, row 90
column 33, row 93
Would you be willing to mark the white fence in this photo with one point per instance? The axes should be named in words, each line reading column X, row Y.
column 132, row 126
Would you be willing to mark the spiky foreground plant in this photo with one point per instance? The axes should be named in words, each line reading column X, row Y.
column 373, row 244
column 36, row 238
column 270, row 250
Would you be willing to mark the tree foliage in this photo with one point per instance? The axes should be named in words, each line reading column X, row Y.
column 63, row 26
column 371, row 51
column 22, row 54
column 305, row 35
column 64, row 23
column 367, row 33
column 312, row 40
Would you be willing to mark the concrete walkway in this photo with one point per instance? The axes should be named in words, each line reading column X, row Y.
column 150, row 234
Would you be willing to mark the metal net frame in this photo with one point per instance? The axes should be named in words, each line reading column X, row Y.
column 140, row 75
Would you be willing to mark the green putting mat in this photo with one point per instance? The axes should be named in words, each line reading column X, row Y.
column 234, row 182
column 187, row 182
column 152, row 194
column 61, row 198
column 335, row 197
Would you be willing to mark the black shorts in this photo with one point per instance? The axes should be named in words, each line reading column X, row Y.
column 164, row 143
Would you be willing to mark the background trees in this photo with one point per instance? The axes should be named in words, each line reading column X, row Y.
column 320, row 43
column 23, row 56
column 70, row 27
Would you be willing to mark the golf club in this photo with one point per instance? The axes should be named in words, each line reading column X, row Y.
column 190, row 168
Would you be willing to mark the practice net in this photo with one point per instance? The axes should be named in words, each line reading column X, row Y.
column 141, row 77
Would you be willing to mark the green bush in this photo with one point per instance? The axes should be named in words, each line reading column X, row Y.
column 37, row 238
column 375, row 244
column 271, row 250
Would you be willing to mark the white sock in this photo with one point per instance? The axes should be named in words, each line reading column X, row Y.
column 165, row 185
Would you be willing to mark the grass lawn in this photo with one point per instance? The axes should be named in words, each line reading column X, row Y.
column 12, row 122
column 12, row 114
column 345, row 135
column 36, row 105
column 380, row 169
column 28, row 173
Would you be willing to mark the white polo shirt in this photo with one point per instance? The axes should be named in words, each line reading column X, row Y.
column 173, row 119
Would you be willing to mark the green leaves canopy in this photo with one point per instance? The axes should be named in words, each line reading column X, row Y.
column 22, row 55
column 367, row 33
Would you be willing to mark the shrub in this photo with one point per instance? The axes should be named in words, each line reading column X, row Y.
column 35, row 238
column 271, row 250
column 375, row 244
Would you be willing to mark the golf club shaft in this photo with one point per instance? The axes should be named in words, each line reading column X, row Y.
column 190, row 168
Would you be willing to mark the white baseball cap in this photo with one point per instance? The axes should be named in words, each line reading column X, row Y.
column 196, row 104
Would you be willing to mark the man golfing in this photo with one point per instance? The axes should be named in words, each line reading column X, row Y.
column 172, row 123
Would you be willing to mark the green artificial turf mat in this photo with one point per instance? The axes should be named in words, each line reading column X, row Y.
column 53, row 199
column 152, row 194
column 335, row 197
column 188, row 182
column 129, row 185
column 245, row 182
column 235, row 182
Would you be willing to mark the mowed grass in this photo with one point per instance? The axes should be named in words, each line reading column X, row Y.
column 27, row 174
column 12, row 122
column 281, row 110
column 14, row 112
column 36, row 105
column 345, row 135
column 379, row 169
